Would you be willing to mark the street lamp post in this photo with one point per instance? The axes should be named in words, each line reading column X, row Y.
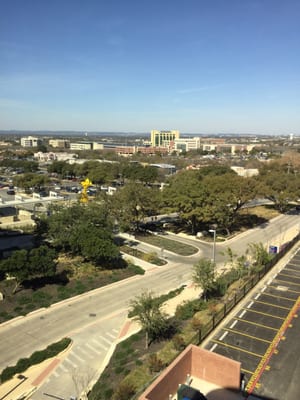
column 214, row 245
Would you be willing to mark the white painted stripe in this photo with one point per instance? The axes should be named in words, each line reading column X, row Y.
column 99, row 344
column 263, row 289
column 233, row 324
column 111, row 335
column 66, row 360
column 80, row 350
column 214, row 346
column 106, row 340
column 257, row 296
column 250, row 304
column 61, row 367
column 76, row 356
column 91, row 347
column 242, row 313
column 269, row 281
column 116, row 331
column 224, row 334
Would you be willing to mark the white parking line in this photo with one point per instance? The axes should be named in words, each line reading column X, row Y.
column 233, row 324
column 214, row 346
column 257, row 296
column 263, row 289
column 250, row 304
column 242, row 313
column 224, row 334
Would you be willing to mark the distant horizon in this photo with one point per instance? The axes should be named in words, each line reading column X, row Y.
column 127, row 66
column 102, row 133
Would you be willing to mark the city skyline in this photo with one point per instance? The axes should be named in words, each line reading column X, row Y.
column 196, row 66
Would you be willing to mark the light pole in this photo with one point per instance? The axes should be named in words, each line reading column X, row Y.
column 214, row 245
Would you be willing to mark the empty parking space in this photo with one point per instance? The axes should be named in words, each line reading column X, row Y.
column 253, row 335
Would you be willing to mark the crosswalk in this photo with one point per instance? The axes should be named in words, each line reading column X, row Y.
column 85, row 354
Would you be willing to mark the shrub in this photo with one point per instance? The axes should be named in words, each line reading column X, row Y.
column 196, row 323
column 178, row 342
column 189, row 308
column 108, row 393
column 136, row 269
column 155, row 363
column 124, row 391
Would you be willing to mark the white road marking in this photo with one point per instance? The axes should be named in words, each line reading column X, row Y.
column 99, row 344
column 214, row 346
column 242, row 313
column 111, row 335
column 257, row 296
column 75, row 355
column 224, row 334
column 233, row 324
column 66, row 360
column 263, row 289
column 250, row 304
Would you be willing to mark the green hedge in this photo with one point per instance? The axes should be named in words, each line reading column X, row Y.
column 37, row 357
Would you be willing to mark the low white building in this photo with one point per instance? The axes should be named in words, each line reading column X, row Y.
column 30, row 141
column 245, row 172
column 81, row 146
column 187, row 144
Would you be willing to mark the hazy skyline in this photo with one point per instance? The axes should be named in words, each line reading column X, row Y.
column 209, row 66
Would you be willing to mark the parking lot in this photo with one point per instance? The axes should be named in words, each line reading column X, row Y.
column 262, row 334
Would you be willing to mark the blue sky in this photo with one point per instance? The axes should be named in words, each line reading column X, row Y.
column 200, row 66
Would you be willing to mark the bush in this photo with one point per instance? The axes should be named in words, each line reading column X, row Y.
column 108, row 393
column 189, row 308
column 136, row 269
column 155, row 363
column 178, row 342
column 124, row 391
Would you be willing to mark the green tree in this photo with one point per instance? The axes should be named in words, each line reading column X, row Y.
column 146, row 310
column 30, row 180
column 42, row 261
column 84, row 230
column 258, row 255
column 279, row 185
column 132, row 203
column 186, row 195
column 25, row 265
column 204, row 275
column 16, row 266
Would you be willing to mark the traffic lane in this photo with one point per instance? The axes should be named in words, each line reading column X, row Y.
column 282, row 379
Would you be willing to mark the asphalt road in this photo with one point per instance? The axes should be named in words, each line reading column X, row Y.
column 105, row 308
